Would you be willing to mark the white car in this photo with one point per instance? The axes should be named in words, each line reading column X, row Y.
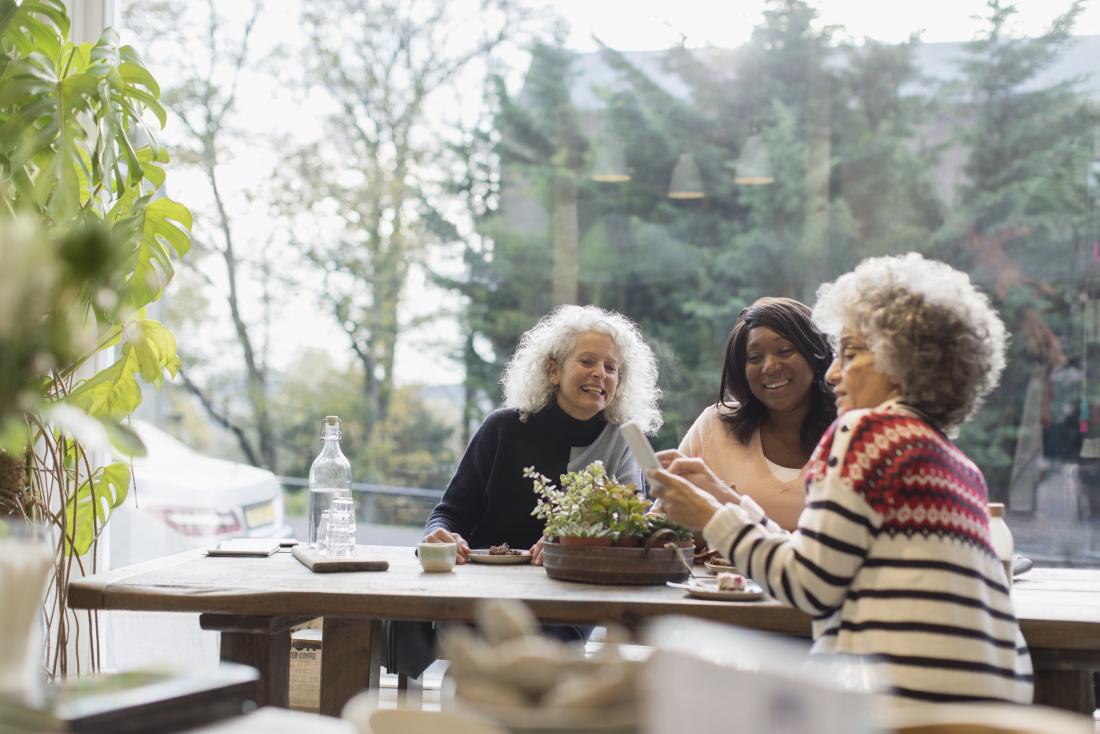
column 181, row 499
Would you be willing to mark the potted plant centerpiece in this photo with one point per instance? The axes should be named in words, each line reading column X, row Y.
column 600, row 530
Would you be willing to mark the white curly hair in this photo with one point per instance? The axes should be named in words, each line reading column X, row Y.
column 926, row 325
column 526, row 378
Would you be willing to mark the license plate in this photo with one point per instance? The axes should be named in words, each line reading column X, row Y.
column 261, row 514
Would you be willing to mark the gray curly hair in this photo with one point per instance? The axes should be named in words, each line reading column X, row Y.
column 526, row 378
column 926, row 325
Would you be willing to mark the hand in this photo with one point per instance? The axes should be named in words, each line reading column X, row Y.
column 668, row 456
column 697, row 472
column 682, row 501
column 536, row 552
column 439, row 535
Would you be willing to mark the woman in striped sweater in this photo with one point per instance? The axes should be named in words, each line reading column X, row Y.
column 892, row 556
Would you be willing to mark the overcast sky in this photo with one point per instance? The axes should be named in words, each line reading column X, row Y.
column 633, row 25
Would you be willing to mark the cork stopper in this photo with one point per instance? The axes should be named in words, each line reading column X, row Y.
column 997, row 509
column 330, row 427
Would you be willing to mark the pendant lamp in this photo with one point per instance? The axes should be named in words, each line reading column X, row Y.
column 753, row 168
column 687, row 181
column 610, row 165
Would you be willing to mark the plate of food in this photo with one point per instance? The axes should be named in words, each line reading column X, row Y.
column 500, row 554
column 724, row 587
column 719, row 565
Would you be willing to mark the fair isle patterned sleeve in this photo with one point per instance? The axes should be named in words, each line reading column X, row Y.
column 812, row 567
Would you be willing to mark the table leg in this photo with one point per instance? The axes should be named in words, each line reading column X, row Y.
column 263, row 643
column 268, row 654
column 351, row 659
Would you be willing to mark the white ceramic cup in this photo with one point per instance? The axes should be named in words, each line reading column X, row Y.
column 437, row 557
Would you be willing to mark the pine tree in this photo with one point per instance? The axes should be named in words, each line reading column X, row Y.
column 1019, row 226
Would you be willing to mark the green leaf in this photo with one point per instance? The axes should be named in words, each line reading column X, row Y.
column 155, row 349
column 34, row 24
column 124, row 439
column 148, row 349
column 137, row 74
column 111, row 393
column 88, row 510
column 166, row 235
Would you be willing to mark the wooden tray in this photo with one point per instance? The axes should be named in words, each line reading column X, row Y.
column 616, row 565
column 319, row 563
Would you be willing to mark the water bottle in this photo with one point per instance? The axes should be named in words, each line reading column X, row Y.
column 1001, row 537
column 329, row 477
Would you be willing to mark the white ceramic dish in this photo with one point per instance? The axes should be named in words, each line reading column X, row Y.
column 717, row 568
column 481, row 555
column 708, row 589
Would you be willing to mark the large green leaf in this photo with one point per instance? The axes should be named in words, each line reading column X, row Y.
column 148, row 349
column 166, row 235
column 67, row 116
column 88, row 510
column 34, row 25
column 47, row 140
column 111, row 393
column 155, row 349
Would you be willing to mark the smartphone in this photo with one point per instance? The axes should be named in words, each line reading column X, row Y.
column 245, row 547
column 640, row 446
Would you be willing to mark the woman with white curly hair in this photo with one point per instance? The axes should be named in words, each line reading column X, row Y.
column 892, row 556
column 576, row 376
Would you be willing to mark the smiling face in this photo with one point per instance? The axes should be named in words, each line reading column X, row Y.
column 777, row 373
column 584, row 383
column 856, row 380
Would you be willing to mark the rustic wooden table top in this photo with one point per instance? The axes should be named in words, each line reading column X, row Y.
column 1058, row 608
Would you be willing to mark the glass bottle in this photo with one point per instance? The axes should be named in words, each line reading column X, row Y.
column 1001, row 537
column 329, row 476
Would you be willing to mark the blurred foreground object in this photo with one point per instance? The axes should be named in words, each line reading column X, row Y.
column 24, row 566
column 526, row 681
column 732, row 679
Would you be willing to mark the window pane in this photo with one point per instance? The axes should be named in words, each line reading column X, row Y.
column 386, row 197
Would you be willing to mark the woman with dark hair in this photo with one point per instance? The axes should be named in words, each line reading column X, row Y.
column 772, row 407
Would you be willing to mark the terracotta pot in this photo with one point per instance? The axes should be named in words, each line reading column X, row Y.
column 629, row 542
column 599, row 542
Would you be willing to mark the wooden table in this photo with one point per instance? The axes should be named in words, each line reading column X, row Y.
column 254, row 602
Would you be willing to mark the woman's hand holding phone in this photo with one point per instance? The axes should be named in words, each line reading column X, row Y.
column 696, row 471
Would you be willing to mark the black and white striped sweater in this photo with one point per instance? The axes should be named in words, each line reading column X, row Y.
column 893, row 558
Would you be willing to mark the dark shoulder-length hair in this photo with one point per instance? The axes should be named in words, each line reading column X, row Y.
column 739, row 409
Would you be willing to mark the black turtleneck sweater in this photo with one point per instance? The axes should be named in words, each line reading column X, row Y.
column 489, row 501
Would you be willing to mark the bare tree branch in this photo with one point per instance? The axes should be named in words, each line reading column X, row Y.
column 221, row 418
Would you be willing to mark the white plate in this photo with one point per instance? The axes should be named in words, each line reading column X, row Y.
column 708, row 589
column 481, row 555
column 717, row 568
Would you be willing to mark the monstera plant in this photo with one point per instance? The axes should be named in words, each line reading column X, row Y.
column 86, row 243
